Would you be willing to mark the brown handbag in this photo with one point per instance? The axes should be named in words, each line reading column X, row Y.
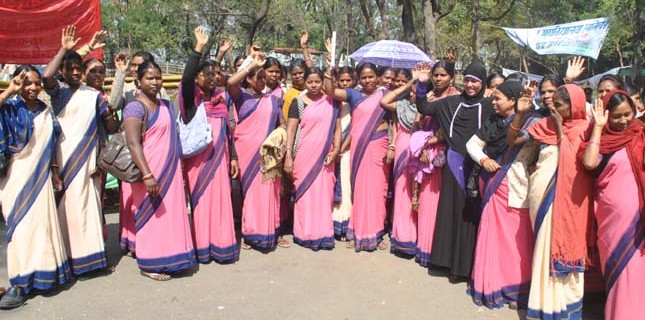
column 115, row 158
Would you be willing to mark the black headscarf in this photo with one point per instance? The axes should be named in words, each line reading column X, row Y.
column 494, row 130
column 477, row 71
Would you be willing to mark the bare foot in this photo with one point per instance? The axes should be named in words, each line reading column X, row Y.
column 156, row 276
column 283, row 243
column 350, row 245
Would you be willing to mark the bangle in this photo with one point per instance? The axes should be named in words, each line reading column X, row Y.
column 514, row 128
column 567, row 80
column 54, row 165
column 147, row 176
column 594, row 142
column 245, row 69
column 328, row 76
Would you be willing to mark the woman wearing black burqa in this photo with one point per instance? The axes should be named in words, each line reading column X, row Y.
column 459, row 116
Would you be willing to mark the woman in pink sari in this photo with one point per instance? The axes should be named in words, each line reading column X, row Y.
column 369, row 146
column 208, row 171
column 615, row 153
column 400, row 101
column 157, row 204
column 314, row 141
column 502, row 268
column 259, row 114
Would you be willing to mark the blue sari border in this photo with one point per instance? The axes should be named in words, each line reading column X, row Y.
column 79, row 157
column 547, row 201
column 628, row 245
column 518, row 293
column 320, row 162
column 407, row 248
column 422, row 258
column 365, row 244
column 325, row 243
column 209, row 169
column 573, row 312
column 173, row 263
column 268, row 241
column 340, row 227
column 401, row 164
column 32, row 188
column 366, row 137
column 89, row 263
column 43, row 280
column 218, row 254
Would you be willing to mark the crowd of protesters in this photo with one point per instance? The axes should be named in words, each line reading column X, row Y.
column 532, row 193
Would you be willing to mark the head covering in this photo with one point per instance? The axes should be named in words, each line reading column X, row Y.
column 475, row 71
column 511, row 89
column 572, row 207
column 272, row 153
column 632, row 139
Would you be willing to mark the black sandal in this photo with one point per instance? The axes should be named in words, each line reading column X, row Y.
column 13, row 298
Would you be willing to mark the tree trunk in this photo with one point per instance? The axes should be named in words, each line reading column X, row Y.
column 429, row 28
column 369, row 21
column 407, row 19
column 258, row 19
column 474, row 32
column 350, row 27
column 385, row 24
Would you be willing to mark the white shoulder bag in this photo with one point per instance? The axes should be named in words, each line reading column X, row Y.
column 196, row 135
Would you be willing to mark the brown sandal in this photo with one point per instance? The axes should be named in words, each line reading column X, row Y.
column 283, row 243
column 156, row 276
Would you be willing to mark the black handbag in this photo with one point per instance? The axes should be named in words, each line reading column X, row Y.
column 116, row 159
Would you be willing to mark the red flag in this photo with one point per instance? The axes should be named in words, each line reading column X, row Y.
column 30, row 30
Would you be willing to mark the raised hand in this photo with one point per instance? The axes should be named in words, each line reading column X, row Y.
column 328, row 44
column 304, row 37
column 121, row 62
column 450, row 55
column 423, row 71
column 575, row 68
column 225, row 44
column 555, row 115
column 201, row 36
column 98, row 39
column 600, row 115
column 68, row 39
column 17, row 82
column 524, row 104
column 260, row 58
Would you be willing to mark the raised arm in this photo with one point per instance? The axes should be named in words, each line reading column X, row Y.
column 592, row 158
column 235, row 81
column 14, row 88
column 224, row 46
column 304, row 37
column 97, row 42
column 190, row 73
column 388, row 102
column 524, row 105
column 116, row 94
column 425, row 107
column 68, row 42
column 329, row 86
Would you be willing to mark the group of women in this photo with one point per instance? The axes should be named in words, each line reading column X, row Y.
column 515, row 197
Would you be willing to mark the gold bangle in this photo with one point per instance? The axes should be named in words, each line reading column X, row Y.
column 147, row 176
column 513, row 127
column 54, row 165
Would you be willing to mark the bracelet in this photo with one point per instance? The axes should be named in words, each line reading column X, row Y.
column 328, row 76
column 54, row 165
column 245, row 69
column 594, row 142
column 513, row 127
column 147, row 176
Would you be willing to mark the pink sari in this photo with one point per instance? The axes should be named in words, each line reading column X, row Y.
column 369, row 175
column 210, row 187
column 620, row 238
column 404, row 223
column 261, row 210
column 162, row 231
column 313, row 226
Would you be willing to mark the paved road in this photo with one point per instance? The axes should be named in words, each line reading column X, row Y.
column 292, row 283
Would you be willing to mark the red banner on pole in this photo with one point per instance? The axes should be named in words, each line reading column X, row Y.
column 30, row 30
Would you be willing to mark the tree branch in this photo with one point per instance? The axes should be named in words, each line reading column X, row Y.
column 510, row 6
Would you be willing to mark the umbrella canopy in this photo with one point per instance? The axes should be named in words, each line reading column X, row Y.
column 391, row 53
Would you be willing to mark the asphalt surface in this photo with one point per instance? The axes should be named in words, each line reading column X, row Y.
column 293, row 283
